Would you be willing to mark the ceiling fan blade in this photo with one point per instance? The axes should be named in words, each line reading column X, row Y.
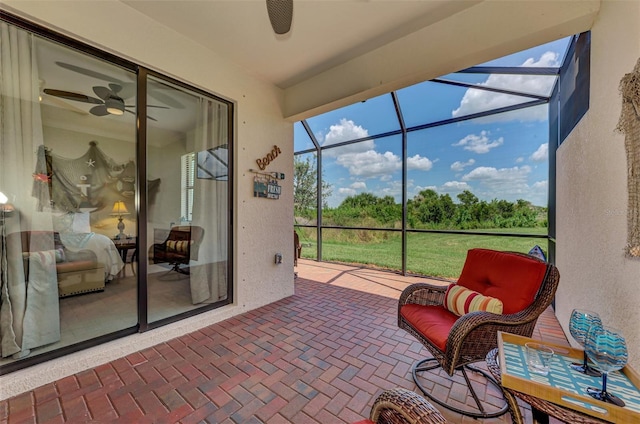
column 128, row 90
column 72, row 96
column 166, row 99
column 99, row 110
column 159, row 107
column 116, row 88
column 280, row 15
column 88, row 72
column 57, row 102
column 104, row 93
column 148, row 117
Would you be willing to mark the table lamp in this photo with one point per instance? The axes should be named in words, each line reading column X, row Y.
column 119, row 209
column 6, row 208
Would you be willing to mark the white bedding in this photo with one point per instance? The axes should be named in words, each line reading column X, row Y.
column 106, row 252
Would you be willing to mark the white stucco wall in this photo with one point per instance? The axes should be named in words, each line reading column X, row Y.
column 592, row 189
column 263, row 226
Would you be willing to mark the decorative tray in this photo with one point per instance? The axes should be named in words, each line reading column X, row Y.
column 565, row 386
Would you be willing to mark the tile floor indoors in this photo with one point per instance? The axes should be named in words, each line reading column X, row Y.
column 319, row 356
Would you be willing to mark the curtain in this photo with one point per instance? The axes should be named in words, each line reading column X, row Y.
column 210, row 208
column 25, row 306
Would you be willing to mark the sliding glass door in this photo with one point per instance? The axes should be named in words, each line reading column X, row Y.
column 79, row 172
column 187, row 194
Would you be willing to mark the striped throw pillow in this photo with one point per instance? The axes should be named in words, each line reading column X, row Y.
column 460, row 300
column 179, row 246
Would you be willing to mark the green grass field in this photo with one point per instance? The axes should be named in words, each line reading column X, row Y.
column 437, row 255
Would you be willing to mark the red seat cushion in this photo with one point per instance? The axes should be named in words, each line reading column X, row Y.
column 433, row 322
column 512, row 278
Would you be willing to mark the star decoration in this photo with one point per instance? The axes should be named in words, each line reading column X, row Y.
column 91, row 163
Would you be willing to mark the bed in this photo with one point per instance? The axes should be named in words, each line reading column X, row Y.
column 106, row 252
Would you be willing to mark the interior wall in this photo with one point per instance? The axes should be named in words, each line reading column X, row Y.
column 72, row 144
column 592, row 189
column 263, row 227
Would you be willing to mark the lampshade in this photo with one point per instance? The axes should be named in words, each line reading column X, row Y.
column 6, row 209
column 119, row 209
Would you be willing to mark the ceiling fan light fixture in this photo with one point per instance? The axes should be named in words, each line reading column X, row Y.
column 114, row 106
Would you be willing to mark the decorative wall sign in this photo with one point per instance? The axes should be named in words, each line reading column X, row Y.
column 262, row 163
column 266, row 184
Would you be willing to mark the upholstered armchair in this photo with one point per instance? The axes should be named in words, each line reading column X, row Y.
column 401, row 406
column 180, row 247
column 458, row 323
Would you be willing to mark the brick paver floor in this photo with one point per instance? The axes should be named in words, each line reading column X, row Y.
column 319, row 356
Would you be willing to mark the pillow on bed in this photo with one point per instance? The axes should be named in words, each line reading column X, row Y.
column 461, row 300
column 60, row 256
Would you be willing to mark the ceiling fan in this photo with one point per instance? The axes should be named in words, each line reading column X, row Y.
column 108, row 103
column 128, row 89
column 280, row 15
column 57, row 102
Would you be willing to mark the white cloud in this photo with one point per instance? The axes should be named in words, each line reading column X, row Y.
column 345, row 191
column 452, row 186
column 393, row 189
column 520, row 160
column 361, row 159
column 542, row 154
column 539, row 193
column 475, row 100
column 359, row 185
column 344, row 131
column 503, row 183
column 479, row 143
column 371, row 164
column 418, row 189
column 541, row 185
column 419, row 163
column 458, row 166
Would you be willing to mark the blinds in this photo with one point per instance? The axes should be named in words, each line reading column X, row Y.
column 187, row 180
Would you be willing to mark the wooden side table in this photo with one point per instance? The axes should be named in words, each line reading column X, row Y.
column 540, row 409
column 123, row 247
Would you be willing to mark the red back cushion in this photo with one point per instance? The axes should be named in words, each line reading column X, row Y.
column 512, row 278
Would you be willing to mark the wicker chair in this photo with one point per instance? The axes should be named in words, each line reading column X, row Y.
column 297, row 248
column 180, row 247
column 526, row 285
column 401, row 406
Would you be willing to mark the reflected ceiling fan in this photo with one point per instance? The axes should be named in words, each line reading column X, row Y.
column 56, row 102
column 280, row 15
column 108, row 103
column 128, row 89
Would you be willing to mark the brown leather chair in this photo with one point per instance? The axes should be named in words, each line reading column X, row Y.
column 180, row 247
column 524, row 285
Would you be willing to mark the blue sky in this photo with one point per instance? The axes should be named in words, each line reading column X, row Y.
column 497, row 157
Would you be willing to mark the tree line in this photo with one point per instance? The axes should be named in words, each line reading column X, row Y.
column 426, row 210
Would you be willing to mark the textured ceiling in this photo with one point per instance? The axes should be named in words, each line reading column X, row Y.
column 323, row 33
